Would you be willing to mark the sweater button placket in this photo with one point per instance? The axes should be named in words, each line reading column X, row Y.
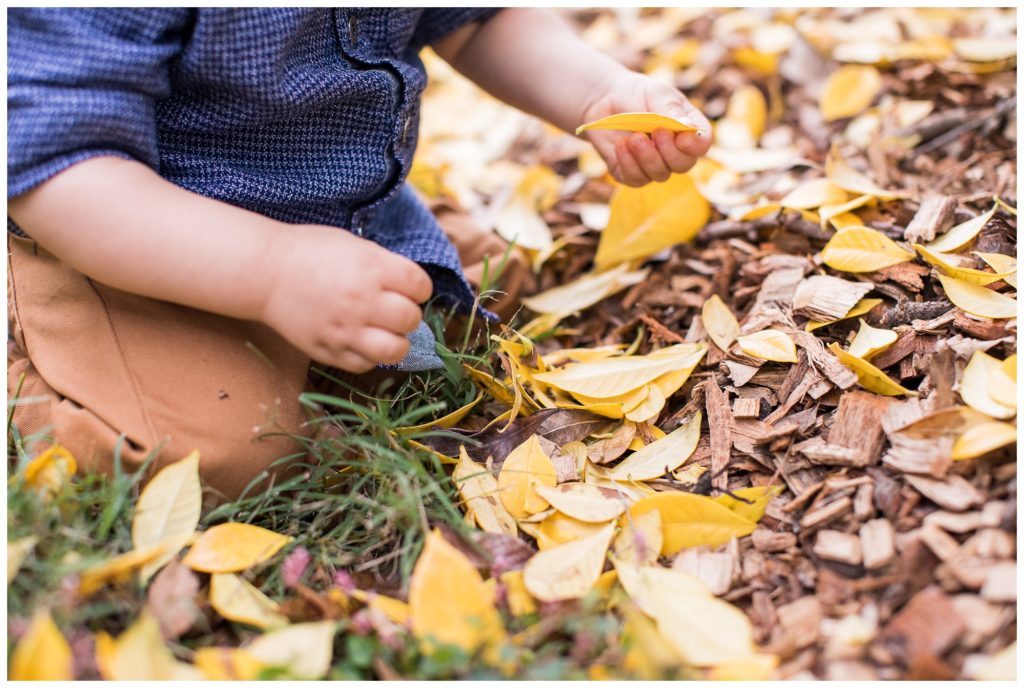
column 353, row 30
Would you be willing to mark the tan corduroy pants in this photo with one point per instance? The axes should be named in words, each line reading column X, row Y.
column 94, row 364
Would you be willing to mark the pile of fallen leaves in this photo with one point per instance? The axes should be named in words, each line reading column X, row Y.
column 762, row 413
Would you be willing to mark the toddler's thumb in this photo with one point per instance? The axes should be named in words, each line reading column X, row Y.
column 668, row 101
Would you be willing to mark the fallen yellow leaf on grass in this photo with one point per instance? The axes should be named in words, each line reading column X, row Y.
column 860, row 249
column 719, row 322
column 969, row 275
column 238, row 600
column 139, row 654
column 962, row 233
column 647, row 219
column 227, row 664
column 17, row 550
column 849, row 91
column 568, row 571
column 643, row 122
column 640, row 540
column 42, row 653
column 982, row 439
column 480, row 493
column 977, row 300
column 771, row 345
column 448, row 600
column 861, row 307
column 871, row 341
column 51, row 470
column 584, row 502
column 558, row 529
column 304, row 650
column 690, row 520
column 976, row 385
column 523, row 470
column 117, row 569
column 395, row 610
column 705, row 630
column 661, row 456
column 447, row 421
column 167, row 512
column 868, row 376
column 231, row 547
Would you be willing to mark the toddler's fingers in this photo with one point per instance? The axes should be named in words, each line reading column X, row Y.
column 648, row 157
column 676, row 160
column 408, row 278
column 352, row 362
column 691, row 144
column 671, row 102
column 380, row 345
column 628, row 171
column 396, row 313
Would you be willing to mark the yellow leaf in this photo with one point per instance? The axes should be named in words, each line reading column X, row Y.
column 479, row 491
column 238, row 600
column 558, row 529
column 988, row 49
column 833, row 213
column 518, row 597
column 844, row 220
column 643, row 122
column 139, row 654
column 705, row 630
column 1000, row 263
column 849, row 91
column 961, row 234
column 844, row 176
column 447, row 421
column 585, row 291
column 1003, row 382
column 860, row 249
column 814, row 194
column 755, row 667
column 690, row 520
column 868, row 376
column 771, row 345
column 227, row 664
column 982, row 439
column 664, row 455
column 638, row 440
column 1002, row 666
column 584, row 502
column 568, row 571
column 860, row 308
column 490, row 385
column 17, row 550
column 304, row 650
column 978, row 300
column 168, row 510
column 51, row 470
column 970, row 275
column 976, row 385
column 117, row 569
column 42, row 654
column 519, row 220
column 648, row 656
column 640, row 540
column 648, row 219
column 747, row 106
column 599, row 353
column 650, row 407
column 720, row 323
column 760, row 495
column 231, row 547
column 647, row 586
column 1005, row 206
column 526, row 467
column 763, row 63
column 395, row 610
column 618, row 376
column 448, row 600
column 871, row 341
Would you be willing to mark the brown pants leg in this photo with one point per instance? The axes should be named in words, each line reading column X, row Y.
column 102, row 363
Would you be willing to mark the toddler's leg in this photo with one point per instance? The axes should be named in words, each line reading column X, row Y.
column 168, row 377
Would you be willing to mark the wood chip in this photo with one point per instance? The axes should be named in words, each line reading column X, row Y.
column 801, row 621
column 1001, row 583
column 927, row 625
column 769, row 541
column 716, row 402
column 953, row 492
column 826, row 514
column 717, row 570
column 877, row 542
column 746, row 407
column 954, row 523
column 939, row 542
column 935, row 216
column 827, row 298
column 824, row 360
column 838, row 546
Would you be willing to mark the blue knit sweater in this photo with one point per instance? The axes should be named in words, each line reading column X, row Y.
column 304, row 115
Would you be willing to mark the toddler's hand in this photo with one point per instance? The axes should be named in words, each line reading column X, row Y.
column 635, row 159
column 342, row 300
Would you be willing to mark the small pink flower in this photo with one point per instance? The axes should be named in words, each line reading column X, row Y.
column 294, row 566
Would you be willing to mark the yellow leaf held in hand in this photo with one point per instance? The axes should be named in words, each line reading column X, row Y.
column 448, row 600
column 976, row 385
column 648, row 219
column 231, row 547
column 719, row 322
column 970, row 275
column 690, row 520
column 558, row 529
column 643, row 122
column 860, row 249
column 51, row 470
column 304, row 650
column 568, row 571
column 479, row 491
column 168, row 511
column 849, row 91
column 868, row 376
column 17, row 550
column 982, row 439
column 664, row 455
column 861, row 307
column 961, row 234
column 139, row 654
column 759, row 495
column 771, row 345
column 814, row 194
column 42, row 653
column 525, row 468
column 871, row 341
column 977, row 300
column 1000, row 263
column 584, row 502
column 238, row 600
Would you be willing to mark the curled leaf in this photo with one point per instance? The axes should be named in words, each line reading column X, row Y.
column 983, row 438
column 720, row 323
column 969, row 275
column 868, row 376
column 977, row 300
column 584, row 502
column 480, row 493
column 976, row 385
column 961, row 234
column 661, row 456
column 771, row 345
column 644, row 122
column 871, row 341
column 523, row 470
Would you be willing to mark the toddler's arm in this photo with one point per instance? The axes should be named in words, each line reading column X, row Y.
column 531, row 59
column 340, row 299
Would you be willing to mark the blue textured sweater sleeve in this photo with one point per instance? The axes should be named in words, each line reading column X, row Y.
column 83, row 83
